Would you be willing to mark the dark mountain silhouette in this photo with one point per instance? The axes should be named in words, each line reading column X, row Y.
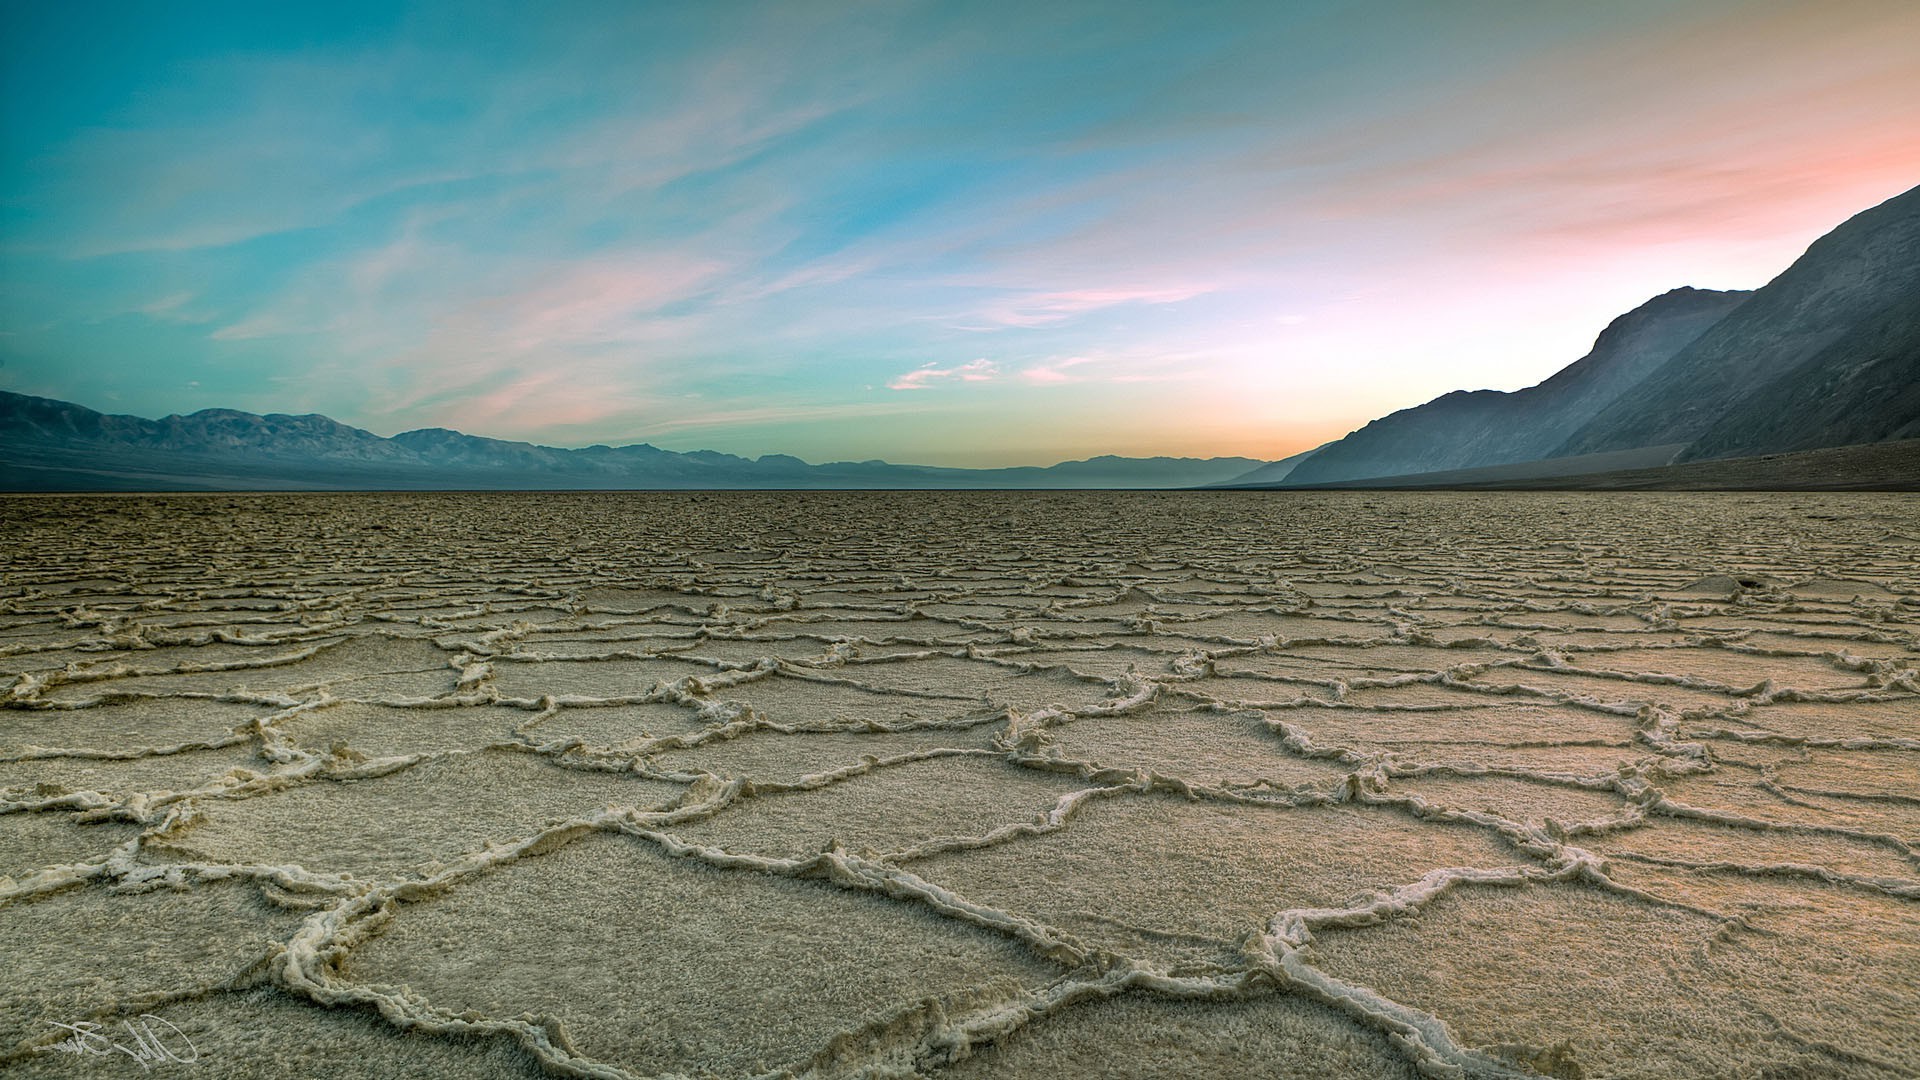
column 57, row 445
column 1862, row 388
column 1468, row 429
column 1892, row 465
column 1837, row 324
column 1825, row 355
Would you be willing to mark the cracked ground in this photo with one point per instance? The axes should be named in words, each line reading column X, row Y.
column 972, row 785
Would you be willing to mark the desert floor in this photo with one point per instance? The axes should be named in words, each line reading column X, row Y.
column 971, row 785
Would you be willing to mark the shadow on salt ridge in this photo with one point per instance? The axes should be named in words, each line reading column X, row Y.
column 790, row 700
column 1097, row 661
column 50, row 660
column 126, row 725
column 55, row 963
column 1624, row 693
column 368, row 666
column 1200, row 746
column 987, row 609
column 920, row 631
column 41, row 777
column 1896, row 716
column 1250, row 626
column 1278, row 682
column 1163, row 638
column 768, row 756
column 1869, row 774
column 890, row 808
column 407, row 822
column 1527, row 801
column 1547, row 737
column 1904, row 651
column 1170, row 880
column 1635, row 989
column 1140, row 1037
column 747, row 652
column 1728, row 667
column 1742, row 792
column 599, row 643
column 1617, row 622
column 1412, row 694
column 954, row 677
column 614, row 677
column 132, row 654
column 1383, row 660
column 35, row 841
column 389, row 731
column 618, row 600
column 1844, row 589
column 1662, row 838
column 1772, row 621
column 843, row 597
column 1577, row 643
column 1332, row 593
column 612, row 726
column 651, row 962
column 269, row 1033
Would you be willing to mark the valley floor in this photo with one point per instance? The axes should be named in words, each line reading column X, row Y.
column 1286, row 784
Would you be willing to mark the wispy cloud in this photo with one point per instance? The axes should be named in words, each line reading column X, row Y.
column 734, row 220
column 700, row 416
column 1055, row 372
column 1048, row 308
column 921, row 378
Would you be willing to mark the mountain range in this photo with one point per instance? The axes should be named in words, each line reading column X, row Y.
column 1825, row 355
column 57, row 445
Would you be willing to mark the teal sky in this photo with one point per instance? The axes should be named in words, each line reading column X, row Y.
column 956, row 233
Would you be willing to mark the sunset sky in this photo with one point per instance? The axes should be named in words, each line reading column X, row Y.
column 958, row 233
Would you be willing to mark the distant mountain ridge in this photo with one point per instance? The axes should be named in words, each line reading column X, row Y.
column 1468, row 429
column 1827, row 354
column 1274, row 472
column 58, row 445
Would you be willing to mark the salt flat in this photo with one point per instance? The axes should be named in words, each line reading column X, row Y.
column 977, row 784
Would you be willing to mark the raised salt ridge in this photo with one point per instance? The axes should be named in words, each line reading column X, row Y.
column 970, row 785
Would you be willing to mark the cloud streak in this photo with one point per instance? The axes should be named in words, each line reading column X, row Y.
column 1046, row 309
column 925, row 376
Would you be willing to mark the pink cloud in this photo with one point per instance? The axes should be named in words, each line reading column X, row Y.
column 1054, row 372
column 595, row 303
column 981, row 370
column 533, row 402
column 1047, row 308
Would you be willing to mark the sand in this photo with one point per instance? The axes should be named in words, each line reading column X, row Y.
column 1343, row 784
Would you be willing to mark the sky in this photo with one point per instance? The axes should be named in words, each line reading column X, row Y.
column 971, row 234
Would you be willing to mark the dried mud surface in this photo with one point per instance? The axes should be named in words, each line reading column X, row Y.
column 1001, row 785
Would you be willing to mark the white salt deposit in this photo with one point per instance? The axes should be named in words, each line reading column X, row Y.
column 967, row 784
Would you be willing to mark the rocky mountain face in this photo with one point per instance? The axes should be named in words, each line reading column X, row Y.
column 1469, row 429
column 1827, row 354
column 57, row 445
column 1864, row 387
column 1805, row 363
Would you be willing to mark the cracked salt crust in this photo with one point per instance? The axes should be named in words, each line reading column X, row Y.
column 966, row 784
